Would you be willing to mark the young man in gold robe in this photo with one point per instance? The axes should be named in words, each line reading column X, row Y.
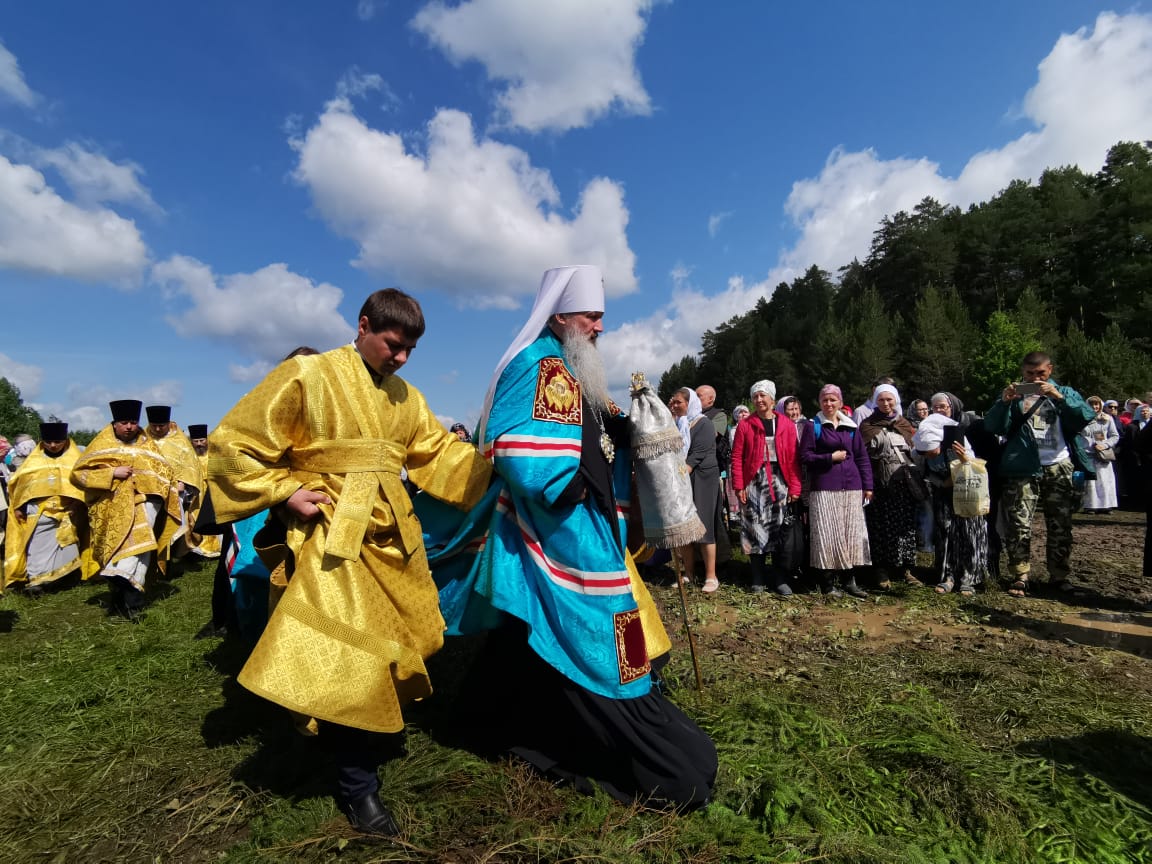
column 321, row 442
column 133, row 506
column 48, row 537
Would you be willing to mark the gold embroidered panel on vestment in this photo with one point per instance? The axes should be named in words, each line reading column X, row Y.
column 557, row 394
column 631, row 651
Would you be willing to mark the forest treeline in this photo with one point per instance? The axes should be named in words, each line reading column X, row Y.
column 951, row 300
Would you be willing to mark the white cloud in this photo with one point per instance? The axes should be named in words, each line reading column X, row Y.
column 1093, row 89
column 24, row 377
column 252, row 372
column 474, row 219
column 716, row 220
column 652, row 344
column 42, row 233
column 838, row 211
column 366, row 9
column 561, row 68
column 263, row 315
column 12, row 84
column 355, row 84
column 96, row 179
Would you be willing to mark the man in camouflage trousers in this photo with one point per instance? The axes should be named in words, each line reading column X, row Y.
column 1042, row 450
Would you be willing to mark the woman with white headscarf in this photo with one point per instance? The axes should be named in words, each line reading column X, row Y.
column 700, row 455
column 1100, row 440
column 898, row 485
column 961, row 542
column 766, row 477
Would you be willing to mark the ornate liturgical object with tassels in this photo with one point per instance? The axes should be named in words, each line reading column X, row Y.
column 662, row 483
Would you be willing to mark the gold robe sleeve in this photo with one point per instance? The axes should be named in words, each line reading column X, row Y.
column 444, row 466
column 248, row 464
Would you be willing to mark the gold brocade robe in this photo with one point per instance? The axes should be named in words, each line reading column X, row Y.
column 175, row 446
column 177, row 449
column 46, row 481
column 347, row 641
column 120, row 524
column 204, row 545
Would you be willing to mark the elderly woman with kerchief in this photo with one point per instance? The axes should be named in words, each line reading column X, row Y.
column 898, row 485
column 700, row 455
column 961, row 542
column 766, row 477
column 840, row 473
column 1100, row 440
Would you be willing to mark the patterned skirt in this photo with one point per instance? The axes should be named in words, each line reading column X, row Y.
column 839, row 536
column 892, row 532
column 762, row 518
column 961, row 543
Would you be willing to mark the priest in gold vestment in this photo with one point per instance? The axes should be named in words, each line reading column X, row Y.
column 174, row 445
column 203, row 544
column 132, row 505
column 321, row 442
column 48, row 539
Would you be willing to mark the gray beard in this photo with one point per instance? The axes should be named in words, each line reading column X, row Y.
column 583, row 358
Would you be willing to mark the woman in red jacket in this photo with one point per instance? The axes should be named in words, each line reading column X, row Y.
column 766, row 477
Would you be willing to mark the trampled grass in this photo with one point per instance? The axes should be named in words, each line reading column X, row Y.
column 132, row 742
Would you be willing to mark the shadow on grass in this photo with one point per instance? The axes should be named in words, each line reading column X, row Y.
column 1088, row 596
column 8, row 619
column 1067, row 630
column 285, row 762
column 1116, row 757
column 155, row 592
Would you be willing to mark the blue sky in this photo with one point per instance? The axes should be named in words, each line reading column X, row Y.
column 187, row 192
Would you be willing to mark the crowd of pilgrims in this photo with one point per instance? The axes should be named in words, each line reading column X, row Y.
column 846, row 495
column 814, row 501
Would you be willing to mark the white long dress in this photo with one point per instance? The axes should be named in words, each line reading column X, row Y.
column 1100, row 494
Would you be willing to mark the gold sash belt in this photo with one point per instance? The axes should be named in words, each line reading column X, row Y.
column 367, row 466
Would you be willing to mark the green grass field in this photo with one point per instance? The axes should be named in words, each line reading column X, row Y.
column 910, row 728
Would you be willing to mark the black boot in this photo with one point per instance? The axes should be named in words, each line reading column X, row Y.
column 781, row 581
column 854, row 590
column 757, row 585
column 828, row 584
column 368, row 815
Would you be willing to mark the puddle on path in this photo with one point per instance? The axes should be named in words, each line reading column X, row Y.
column 1128, row 632
column 882, row 624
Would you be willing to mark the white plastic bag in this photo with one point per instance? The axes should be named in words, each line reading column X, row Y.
column 970, row 492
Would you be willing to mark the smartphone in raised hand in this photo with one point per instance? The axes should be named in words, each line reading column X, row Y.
column 1027, row 388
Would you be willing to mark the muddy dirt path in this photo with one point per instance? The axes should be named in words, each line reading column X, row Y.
column 1107, row 616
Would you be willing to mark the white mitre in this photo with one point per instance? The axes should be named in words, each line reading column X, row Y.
column 563, row 290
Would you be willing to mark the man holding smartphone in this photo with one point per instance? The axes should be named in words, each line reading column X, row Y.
column 1039, row 421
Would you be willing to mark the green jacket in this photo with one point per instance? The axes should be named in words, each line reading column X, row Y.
column 1021, row 456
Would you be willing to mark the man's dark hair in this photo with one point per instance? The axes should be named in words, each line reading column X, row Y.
column 302, row 351
column 1036, row 358
column 391, row 308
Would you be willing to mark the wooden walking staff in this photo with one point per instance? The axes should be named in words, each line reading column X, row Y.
column 663, row 490
column 677, row 567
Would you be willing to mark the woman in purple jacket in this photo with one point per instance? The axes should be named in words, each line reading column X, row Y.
column 832, row 449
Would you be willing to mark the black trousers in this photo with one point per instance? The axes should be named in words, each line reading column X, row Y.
column 357, row 755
